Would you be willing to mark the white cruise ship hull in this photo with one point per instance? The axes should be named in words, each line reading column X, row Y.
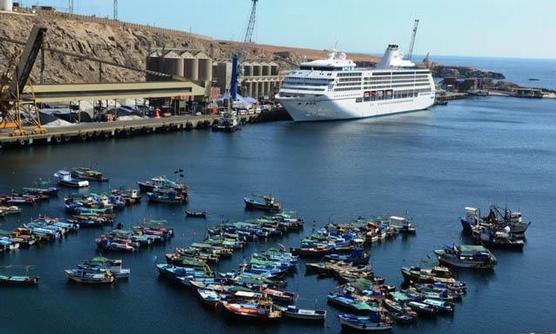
column 322, row 108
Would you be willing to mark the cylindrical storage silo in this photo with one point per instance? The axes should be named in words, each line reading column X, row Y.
column 205, row 69
column 191, row 69
column 153, row 64
column 172, row 63
column 6, row 5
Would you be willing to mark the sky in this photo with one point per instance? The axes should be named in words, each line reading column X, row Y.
column 482, row 28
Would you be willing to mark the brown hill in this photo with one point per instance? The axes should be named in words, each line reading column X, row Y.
column 123, row 43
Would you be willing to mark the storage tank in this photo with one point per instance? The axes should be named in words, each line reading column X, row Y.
column 172, row 63
column 153, row 64
column 205, row 69
column 191, row 66
column 6, row 5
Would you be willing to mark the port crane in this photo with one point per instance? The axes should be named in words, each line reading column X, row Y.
column 13, row 82
column 18, row 106
column 412, row 43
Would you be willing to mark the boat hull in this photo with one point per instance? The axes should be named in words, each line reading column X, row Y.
column 323, row 108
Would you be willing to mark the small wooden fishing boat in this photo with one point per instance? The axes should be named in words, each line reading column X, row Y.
column 101, row 263
column 259, row 310
column 65, row 179
column 280, row 296
column 264, row 203
column 294, row 312
column 19, row 280
column 364, row 324
column 196, row 214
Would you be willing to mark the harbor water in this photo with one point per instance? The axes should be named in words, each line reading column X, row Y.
column 428, row 164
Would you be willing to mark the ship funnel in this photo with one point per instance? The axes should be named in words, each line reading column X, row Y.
column 393, row 57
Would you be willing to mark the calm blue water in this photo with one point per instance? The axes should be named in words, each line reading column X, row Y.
column 517, row 70
column 430, row 164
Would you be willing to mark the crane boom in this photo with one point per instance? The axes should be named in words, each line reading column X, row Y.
column 251, row 26
column 27, row 60
column 412, row 43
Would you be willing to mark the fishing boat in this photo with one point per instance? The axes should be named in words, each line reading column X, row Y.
column 422, row 308
column 280, row 296
column 259, row 310
column 130, row 196
column 493, row 238
column 48, row 191
column 364, row 324
column 466, row 256
column 497, row 218
column 65, row 179
column 160, row 182
column 19, row 280
column 209, row 297
column 357, row 256
column 292, row 311
column 403, row 224
column 417, row 274
column 167, row 196
column 440, row 305
column 89, row 277
column 196, row 214
column 84, row 173
column 100, row 263
column 264, row 203
column 9, row 210
column 227, row 122
column 348, row 303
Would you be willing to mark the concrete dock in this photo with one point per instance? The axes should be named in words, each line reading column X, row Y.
column 96, row 131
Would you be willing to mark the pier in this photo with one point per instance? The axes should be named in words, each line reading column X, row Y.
column 120, row 129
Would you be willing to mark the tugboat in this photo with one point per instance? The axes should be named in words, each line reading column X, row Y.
column 227, row 122
column 264, row 203
column 466, row 256
column 65, row 179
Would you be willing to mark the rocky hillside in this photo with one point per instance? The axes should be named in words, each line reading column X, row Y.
column 121, row 43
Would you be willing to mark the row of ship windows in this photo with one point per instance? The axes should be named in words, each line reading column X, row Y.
column 394, row 82
column 349, row 74
column 397, row 85
column 399, row 73
column 294, row 79
column 409, row 77
column 303, row 88
column 386, row 95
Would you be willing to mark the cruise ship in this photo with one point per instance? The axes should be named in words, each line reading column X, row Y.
column 335, row 89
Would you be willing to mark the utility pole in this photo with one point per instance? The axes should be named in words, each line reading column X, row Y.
column 115, row 9
column 70, row 6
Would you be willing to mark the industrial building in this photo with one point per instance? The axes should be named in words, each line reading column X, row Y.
column 259, row 79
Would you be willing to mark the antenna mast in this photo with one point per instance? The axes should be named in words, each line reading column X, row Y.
column 251, row 26
column 412, row 44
